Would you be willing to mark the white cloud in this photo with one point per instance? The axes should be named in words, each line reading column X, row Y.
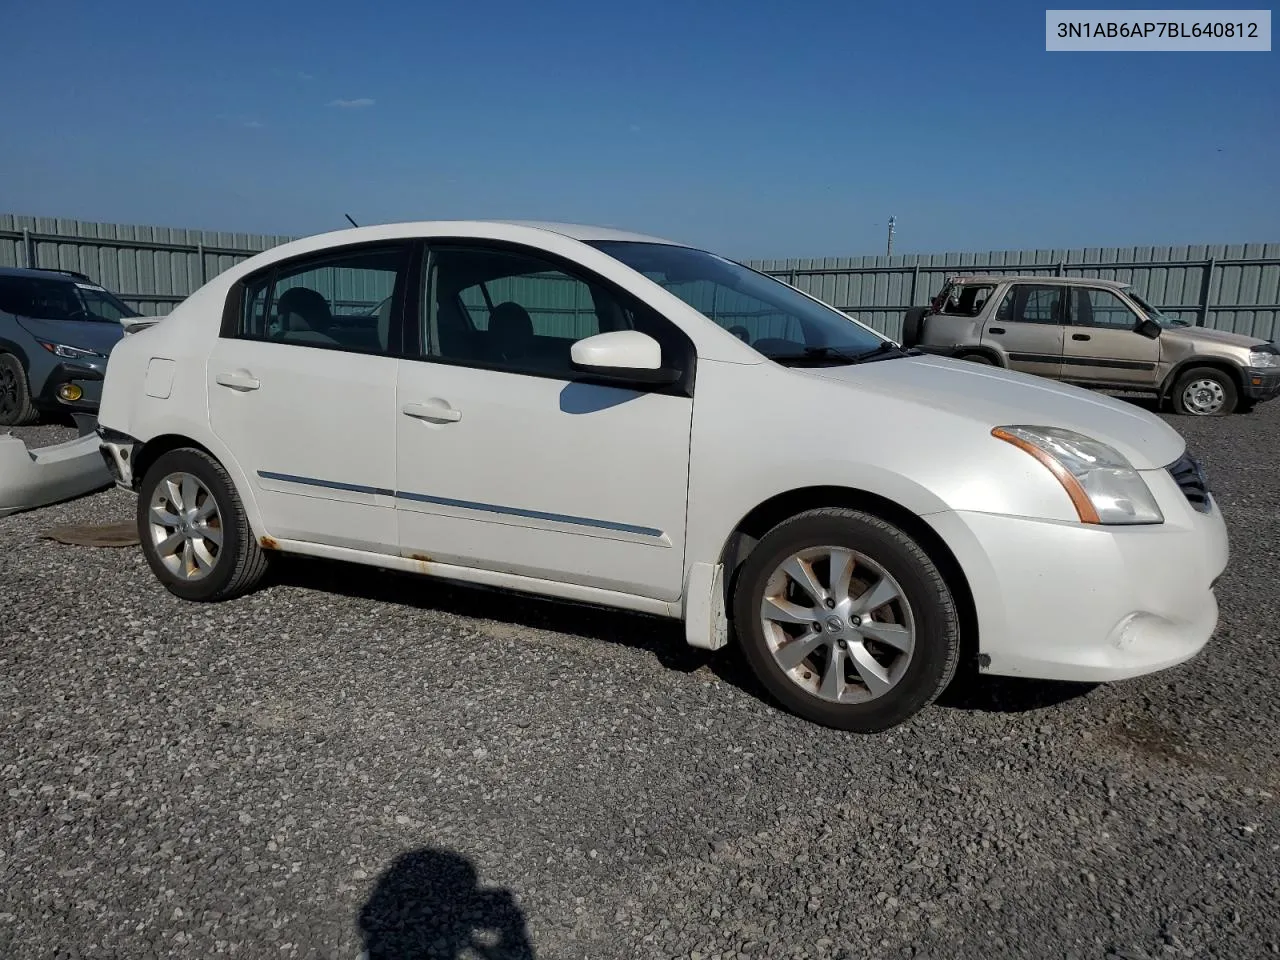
column 254, row 124
column 351, row 104
column 303, row 75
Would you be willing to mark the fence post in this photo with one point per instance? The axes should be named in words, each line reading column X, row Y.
column 200, row 258
column 915, row 282
column 28, row 257
column 1062, row 268
column 1203, row 319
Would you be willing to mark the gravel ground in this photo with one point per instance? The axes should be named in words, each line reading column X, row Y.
column 42, row 434
column 351, row 761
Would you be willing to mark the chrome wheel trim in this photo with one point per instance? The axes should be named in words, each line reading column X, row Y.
column 185, row 526
column 1203, row 397
column 837, row 624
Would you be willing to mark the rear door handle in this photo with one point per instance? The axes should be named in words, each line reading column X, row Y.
column 1080, row 336
column 995, row 330
column 239, row 380
column 436, row 411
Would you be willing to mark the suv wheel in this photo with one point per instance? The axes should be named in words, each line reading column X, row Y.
column 16, row 408
column 1205, row 392
column 846, row 621
column 193, row 528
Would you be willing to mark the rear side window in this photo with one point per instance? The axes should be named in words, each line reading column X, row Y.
column 966, row 300
column 344, row 301
column 1031, row 303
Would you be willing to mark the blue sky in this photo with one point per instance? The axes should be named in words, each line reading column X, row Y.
column 757, row 129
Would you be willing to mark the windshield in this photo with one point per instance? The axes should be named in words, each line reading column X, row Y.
column 46, row 298
column 775, row 319
column 1155, row 314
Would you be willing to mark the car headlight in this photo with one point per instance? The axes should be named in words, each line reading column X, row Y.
column 71, row 353
column 1103, row 486
column 1264, row 358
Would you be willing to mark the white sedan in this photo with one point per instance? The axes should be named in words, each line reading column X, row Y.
column 605, row 417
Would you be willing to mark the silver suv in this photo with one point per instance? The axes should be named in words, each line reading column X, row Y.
column 1095, row 333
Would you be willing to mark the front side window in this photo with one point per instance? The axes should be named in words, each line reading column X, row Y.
column 1031, row 303
column 44, row 298
column 774, row 318
column 513, row 310
column 339, row 301
column 1101, row 308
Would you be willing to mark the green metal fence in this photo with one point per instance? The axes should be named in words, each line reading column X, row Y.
column 1227, row 287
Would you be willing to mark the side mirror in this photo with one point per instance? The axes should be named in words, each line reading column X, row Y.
column 1148, row 328
column 621, row 358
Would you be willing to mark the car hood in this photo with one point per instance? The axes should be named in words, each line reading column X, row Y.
column 994, row 397
column 92, row 335
column 1209, row 335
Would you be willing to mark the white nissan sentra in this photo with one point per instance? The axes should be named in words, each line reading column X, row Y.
column 604, row 417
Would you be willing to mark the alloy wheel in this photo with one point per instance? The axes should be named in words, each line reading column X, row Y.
column 8, row 391
column 185, row 526
column 838, row 624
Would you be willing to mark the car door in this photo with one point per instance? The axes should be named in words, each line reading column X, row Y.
column 1027, row 328
column 505, row 462
column 302, row 390
column 1102, row 342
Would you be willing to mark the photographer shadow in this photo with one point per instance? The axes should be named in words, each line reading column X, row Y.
column 429, row 905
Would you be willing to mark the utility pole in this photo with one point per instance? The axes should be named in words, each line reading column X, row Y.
column 889, row 247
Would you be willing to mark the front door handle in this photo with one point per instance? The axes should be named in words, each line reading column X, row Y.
column 239, row 380
column 436, row 411
column 995, row 330
column 1080, row 336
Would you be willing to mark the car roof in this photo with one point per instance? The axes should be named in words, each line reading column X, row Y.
column 585, row 232
column 1023, row 278
column 44, row 274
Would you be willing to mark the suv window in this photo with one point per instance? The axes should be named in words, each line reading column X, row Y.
column 512, row 310
column 1031, row 303
column 966, row 300
column 1091, row 307
column 341, row 301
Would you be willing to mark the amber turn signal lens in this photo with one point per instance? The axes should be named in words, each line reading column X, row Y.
column 1079, row 499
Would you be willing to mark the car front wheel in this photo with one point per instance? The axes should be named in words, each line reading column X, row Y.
column 16, row 408
column 193, row 528
column 846, row 621
column 1205, row 392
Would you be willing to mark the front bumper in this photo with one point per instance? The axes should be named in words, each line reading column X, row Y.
column 1060, row 601
column 1261, row 384
column 86, row 376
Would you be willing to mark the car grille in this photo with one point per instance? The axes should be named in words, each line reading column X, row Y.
column 1189, row 476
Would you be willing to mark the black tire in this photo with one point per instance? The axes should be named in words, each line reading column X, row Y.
column 937, row 642
column 1230, row 393
column 240, row 563
column 913, row 326
column 982, row 358
column 16, row 408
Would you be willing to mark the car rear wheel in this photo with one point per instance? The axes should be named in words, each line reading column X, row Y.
column 193, row 528
column 16, row 408
column 846, row 621
column 1205, row 392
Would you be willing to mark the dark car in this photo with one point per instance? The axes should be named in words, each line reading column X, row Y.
column 57, row 329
